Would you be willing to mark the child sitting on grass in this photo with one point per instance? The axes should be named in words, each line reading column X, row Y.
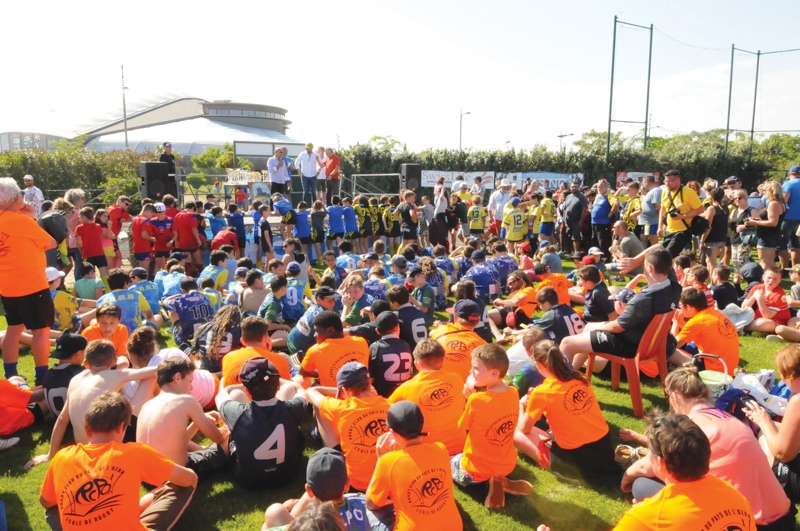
column 89, row 287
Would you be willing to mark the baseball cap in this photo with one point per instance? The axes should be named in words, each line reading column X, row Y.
column 624, row 295
column 371, row 256
column 794, row 169
column 543, row 244
column 138, row 272
column 589, row 259
column 515, row 201
column 386, row 322
column 540, row 269
column 257, row 369
column 414, row 271
column 755, row 195
column 167, row 144
column 399, row 261
column 68, row 344
column 380, row 306
column 160, row 207
column 178, row 256
column 480, row 254
column 327, row 292
column 732, row 179
column 351, row 374
column 525, row 247
column 595, row 250
column 405, row 419
column 326, row 474
column 293, row 267
column 751, row 272
column 468, row 310
column 54, row 274
column 240, row 272
column 310, row 146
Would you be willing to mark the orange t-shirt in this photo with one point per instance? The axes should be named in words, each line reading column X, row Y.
column 14, row 412
column 713, row 333
column 439, row 394
column 458, row 343
column 96, row 486
column 572, row 411
column 528, row 302
column 419, row 482
column 359, row 421
column 22, row 260
column 233, row 361
column 490, row 419
column 328, row 357
column 119, row 337
column 709, row 503
column 558, row 282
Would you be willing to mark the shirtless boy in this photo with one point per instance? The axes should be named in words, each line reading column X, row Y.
column 100, row 359
column 161, row 418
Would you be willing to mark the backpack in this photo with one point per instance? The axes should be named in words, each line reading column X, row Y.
column 54, row 223
column 733, row 401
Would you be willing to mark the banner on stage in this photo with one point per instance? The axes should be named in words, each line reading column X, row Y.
column 635, row 176
column 429, row 178
column 551, row 180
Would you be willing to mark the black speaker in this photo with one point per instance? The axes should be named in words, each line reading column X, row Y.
column 156, row 182
column 412, row 176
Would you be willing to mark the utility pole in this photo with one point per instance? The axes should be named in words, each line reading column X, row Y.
column 124, row 109
column 462, row 114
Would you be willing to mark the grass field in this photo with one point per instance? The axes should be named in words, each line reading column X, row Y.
column 221, row 504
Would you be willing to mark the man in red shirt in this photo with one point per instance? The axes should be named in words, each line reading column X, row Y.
column 332, row 165
column 144, row 235
column 162, row 225
column 170, row 203
column 187, row 237
column 225, row 237
column 118, row 213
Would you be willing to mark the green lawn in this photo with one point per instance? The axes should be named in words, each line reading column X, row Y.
column 221, row 504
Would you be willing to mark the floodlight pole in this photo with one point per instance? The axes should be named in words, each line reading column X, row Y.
column 124, row 109
column 730, row 95
column 611, row 96
column 561, row 138
column 647, row 101
column 460, row 122
column 755, row 96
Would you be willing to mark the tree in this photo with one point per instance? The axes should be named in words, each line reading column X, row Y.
column 388, row 143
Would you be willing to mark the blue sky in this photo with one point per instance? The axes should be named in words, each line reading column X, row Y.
column 525, row 70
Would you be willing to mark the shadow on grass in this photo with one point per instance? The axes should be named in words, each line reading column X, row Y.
column 16, row 516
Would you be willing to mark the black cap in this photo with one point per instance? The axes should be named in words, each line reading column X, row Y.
column 352, row 374
column 379, row 306
column 624, row 295
column 326, row 474
column 414, row 271
column 539, row 269
column 138, row 272
column 732, row 179
column 257, row 369
column 468, row 310
column 178, row 256
column 405, row 419
column 167, row 144
column 371, row 256
column 68, row 344
column 327, row 292
column 386, row 322
column 399, row 261
column 751, row 272
column 480, row 254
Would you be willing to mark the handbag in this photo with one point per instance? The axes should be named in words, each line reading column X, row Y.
column 749, row 238
column 699, row 224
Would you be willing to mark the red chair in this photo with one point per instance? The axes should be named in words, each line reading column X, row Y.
column 652, row 346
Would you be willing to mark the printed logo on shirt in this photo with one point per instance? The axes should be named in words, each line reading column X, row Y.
column 428, row 492
column 93, row 500
column 729, row 520
column 365, row 430
column 458, row 350
column 501, row 431
column 725, row 328
column 343, row 358
column 577, row 399
column 437, row 397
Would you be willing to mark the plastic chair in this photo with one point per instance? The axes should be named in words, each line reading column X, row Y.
column 652, row 346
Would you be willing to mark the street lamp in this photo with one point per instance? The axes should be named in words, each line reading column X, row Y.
column 561, row 140
column 460, row 120
column 124, row 109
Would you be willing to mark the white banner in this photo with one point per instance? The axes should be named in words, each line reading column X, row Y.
column 429, row 178
column 515, row 177
column 552, row 180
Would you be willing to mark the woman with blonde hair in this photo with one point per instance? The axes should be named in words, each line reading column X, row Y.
column 768, row 227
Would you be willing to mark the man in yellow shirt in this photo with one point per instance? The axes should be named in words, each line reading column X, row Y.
column 680, row 205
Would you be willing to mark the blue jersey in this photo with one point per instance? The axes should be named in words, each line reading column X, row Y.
column 350, row 222
column 336, row 218
column 133, row 305
column 347, row 261
column 302, row 335
column 172, row 284
column 292, row 305
column 486, row 279
column 439, row 283
column 159, row 280
column 464, row 264
column 504, row 265
column 193, row 310
column 214, row 297
column 236, row 220
column 449, row 267
column 282, row 206
column 256, row 215
column 302, row 228
column 338, row 273
column 396, row 279
column 150, row 292
column 212, row 272
column 376, row 288
column 216, row 225
column 230, row 265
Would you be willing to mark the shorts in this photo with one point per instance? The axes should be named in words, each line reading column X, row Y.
column 322, row 185
column 464, row 229
column 290, row 218
column 546, row 228
column 609, row 343
column 591, row 463
column 410, row 234
column 788, row 475
column 478, row 232
column 649, row 230
column 97, row 261
column 116, row 244
column 207, row 460
column 188, row 251
column 160, row 254
column 574, row 231
column 772, row 241
column 379, row 230
column 715, row 245
column 141, row 257
column 395, row 232
column 109, row 251
column 264, row 243
column 789, row 228
column 306, row 240
column 334, row 235
column 460, row 476
column 352, row 235
column 317, row 236
column 242, row 241
column 35, row 311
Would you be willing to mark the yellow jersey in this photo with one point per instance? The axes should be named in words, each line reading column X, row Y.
column 548, row 210
column 477, row 215
column 515, row 223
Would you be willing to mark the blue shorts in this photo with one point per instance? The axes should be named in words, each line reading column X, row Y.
column 546, row 228
column 142, row 256
column 649, row 230
column 789, row 228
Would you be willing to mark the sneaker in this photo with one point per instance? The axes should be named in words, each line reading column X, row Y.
column 517, row 487
column 776, row 338
column 497, row 496
column 623, row 454
column 5, row 444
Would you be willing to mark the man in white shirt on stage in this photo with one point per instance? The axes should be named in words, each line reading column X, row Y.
column 307, row 163
column 278, row 173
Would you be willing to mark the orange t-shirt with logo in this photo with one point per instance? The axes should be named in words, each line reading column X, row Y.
column 96, row 486
column 119, row 337
column 528, row 302
column 233, row 362
column 419, row 482
column 14, row 412
column 458, row 343
column 572, row 411
column 558, row 282
column 709, row 503
column 439, row 394
column 713, row 333
column 490, row 419
column 22, row 246
column 359, row 421
column 328, row 357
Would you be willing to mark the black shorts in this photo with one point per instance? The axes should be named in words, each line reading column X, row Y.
column 207, row 460
column 334, row 235
column 188, row 251
column 574, row 231
column 410, row 234
column 162, row 254
column 242, row 240
column 97, row 261
column 609, row 343
column 35, row 311
column 306, row 240
column 591, row 463
column 317, row 236
column 352, row 235
column 290, row 218
column 478, row 232
column 788, row 475
column 379, row 230
column 395, row 232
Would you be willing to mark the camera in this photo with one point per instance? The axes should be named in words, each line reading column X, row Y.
column 673, row 213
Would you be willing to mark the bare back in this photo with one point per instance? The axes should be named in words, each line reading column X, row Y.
column 84, row 388
column 162, row 424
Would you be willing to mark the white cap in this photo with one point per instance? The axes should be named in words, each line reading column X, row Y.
column 595, row 250
column 160, row 207
column 53, row 274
